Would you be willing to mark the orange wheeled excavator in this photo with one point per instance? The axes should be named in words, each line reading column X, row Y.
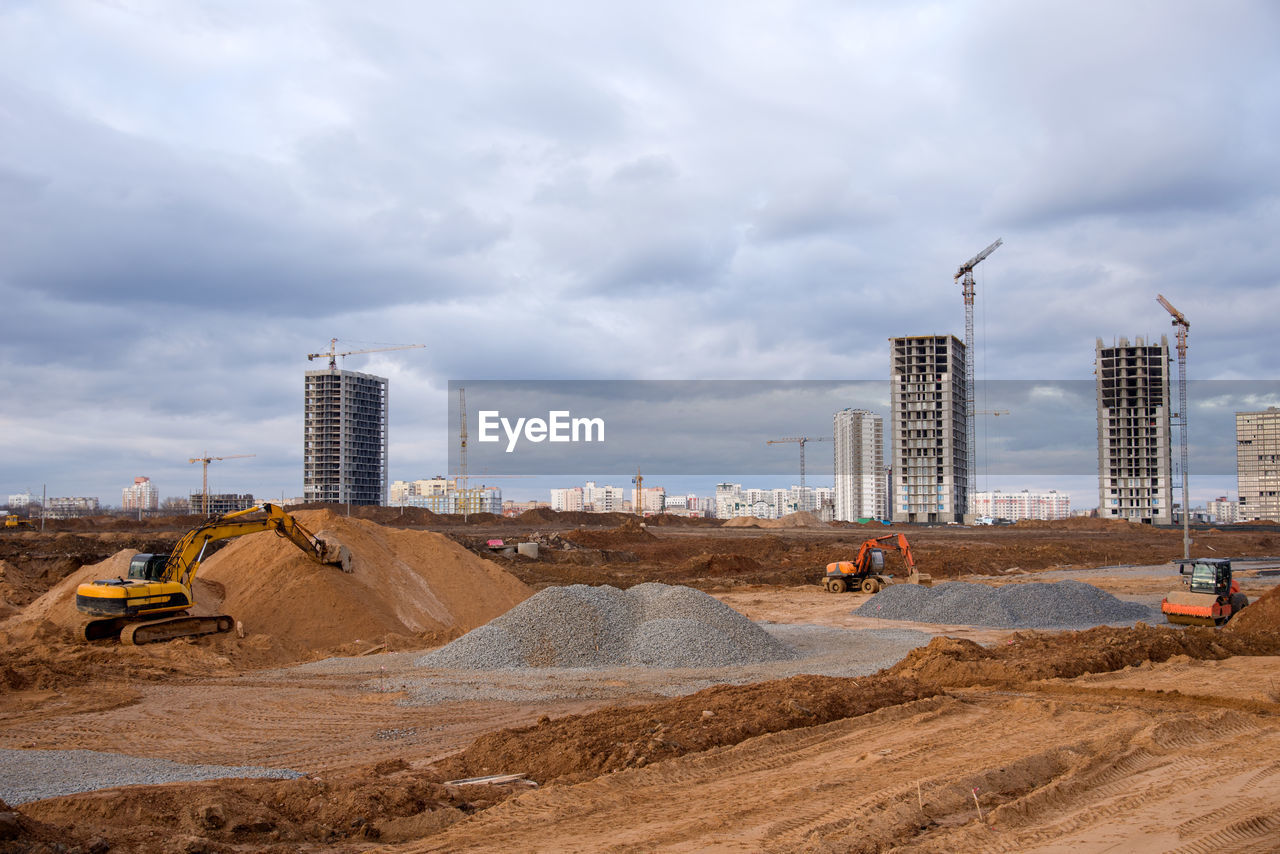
column 866, row 571
column 1211, row 596
column 151, row 604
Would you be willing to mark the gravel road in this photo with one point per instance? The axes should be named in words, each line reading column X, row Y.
column 33, row 775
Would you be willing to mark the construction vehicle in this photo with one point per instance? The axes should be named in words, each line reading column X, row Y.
column 1211, row 598
column 151, row 604
column 18, row 523
column 866, row 571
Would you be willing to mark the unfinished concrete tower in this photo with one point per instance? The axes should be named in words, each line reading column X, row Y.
column 1258, row 464
column 1135, row 468
column 859, row 458
column 929, row 425
column 345, row 438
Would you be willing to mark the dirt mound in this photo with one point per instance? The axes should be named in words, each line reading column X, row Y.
column 803, row 519
column 1262, row 615
column 580, row 747
column 718, row 564
column 1075, row 523
column 402, row 582
column 952, row 662
column 631, row 531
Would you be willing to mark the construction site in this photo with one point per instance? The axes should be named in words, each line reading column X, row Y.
column 392, row 680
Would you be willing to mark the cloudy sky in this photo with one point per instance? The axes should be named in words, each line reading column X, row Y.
column 194, row 196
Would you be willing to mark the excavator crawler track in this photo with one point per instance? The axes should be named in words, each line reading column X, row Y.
column 171, row 628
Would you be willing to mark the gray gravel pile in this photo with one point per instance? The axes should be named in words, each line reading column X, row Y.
column 649, row 625
column 1036, row 605
column 33, row 775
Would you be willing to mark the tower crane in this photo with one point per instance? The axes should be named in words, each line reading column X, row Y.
column 205, row 479
column 964, row 275
column 638, row 480
column 333, row 356
column 1184, row 326
column 802, row 441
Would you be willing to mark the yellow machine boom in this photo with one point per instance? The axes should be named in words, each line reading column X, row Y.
column 150, row 604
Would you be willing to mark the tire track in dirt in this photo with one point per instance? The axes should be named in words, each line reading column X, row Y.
column 825, row 780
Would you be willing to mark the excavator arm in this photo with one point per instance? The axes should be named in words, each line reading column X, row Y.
column 187, row 555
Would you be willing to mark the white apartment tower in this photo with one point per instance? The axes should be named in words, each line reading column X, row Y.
column 930, row 449
column 345, row 438
column 141, row 496
column 1135, row 467
column 1258, row 464
column 859, row 462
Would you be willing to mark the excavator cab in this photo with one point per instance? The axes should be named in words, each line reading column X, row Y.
column 877, row 560
column 145, row 567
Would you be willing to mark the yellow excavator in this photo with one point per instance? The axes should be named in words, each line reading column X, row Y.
column 151, row 604
column 18, row 523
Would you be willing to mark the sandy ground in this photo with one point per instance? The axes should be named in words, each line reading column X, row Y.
column 1068, row 768
column 1179, row 755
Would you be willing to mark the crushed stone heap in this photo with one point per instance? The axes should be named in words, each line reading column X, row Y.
column 649, row 625
column 1035, row 605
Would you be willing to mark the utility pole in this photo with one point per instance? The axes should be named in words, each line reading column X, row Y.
column 1183, row 326
column 964, row 275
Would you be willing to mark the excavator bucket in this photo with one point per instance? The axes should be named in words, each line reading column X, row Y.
column 335, row 553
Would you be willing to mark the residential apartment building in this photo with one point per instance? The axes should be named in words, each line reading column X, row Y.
column 70, row 507
column 1135, row 469
column 1223, row 511
column 567, row 500
column 345, row 437
column 1258, row 464
column 859, row 491
column 1022, row 505
column 930, row 448
column 141, row 496
column 603, row 499
column 402, row 490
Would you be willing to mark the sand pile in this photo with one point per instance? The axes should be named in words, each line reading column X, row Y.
column 803, row 519
column 1262, row 615
column 630, row 532
column 1036, row 605
column 401, row 582
column 649, row 625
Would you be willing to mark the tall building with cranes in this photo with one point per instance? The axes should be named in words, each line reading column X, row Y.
column 1135, row 477
column 859, row 466
column 345, row 437
column 929, row 425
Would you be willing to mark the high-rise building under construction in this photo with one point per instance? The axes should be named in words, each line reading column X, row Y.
column 1135, row 477
column 345, row 438
column 1258, row 464
column 930, row 449
column 859, row 466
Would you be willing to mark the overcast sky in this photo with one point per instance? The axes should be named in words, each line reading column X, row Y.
column 194, row 196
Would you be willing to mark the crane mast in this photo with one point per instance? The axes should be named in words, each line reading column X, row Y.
column 965, row 276
column 801, row 441
column 1184, row 326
